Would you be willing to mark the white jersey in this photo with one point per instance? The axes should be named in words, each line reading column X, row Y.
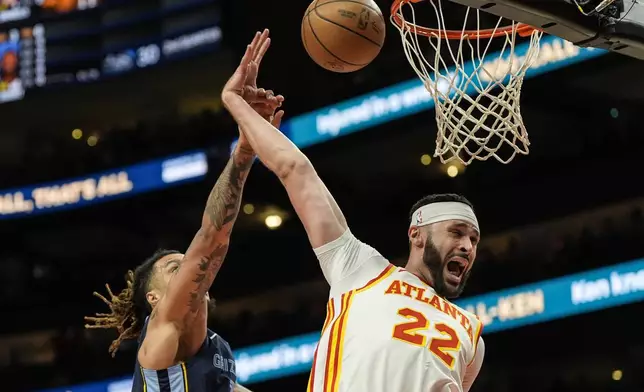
column 387, row 330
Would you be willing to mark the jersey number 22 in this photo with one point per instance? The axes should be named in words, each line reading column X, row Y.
column 440, row 347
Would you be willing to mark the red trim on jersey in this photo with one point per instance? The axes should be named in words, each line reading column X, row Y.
column 418, row 276
column 336, row 336
column 330, row 346
column 312, row 375
column 330, row 313
column 340, row 341
column 380, row 275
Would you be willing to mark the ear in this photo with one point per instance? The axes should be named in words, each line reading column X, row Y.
column 153, row 297
column 415, row 237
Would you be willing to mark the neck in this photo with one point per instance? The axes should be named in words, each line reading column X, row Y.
column 415, row 266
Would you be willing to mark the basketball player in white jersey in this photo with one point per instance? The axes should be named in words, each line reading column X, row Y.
column 388, row 328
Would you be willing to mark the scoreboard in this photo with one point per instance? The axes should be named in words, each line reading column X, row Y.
column 55, row 42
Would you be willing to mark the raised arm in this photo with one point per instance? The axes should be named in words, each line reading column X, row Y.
column 173, row 318
column 177, row 325
column 316, row 208
column 341, row 255
column 205, row 255
column 345, row 261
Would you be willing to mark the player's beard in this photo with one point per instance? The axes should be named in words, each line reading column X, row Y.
column 437, row 266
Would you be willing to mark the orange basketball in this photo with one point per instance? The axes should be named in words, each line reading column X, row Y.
column 343, row 35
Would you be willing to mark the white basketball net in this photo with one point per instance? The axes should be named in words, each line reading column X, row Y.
column 476, row 99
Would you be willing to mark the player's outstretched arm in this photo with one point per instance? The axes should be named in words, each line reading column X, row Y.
column 206, row 253
column 316, row 208
column 340, row 254
column 187, row 290
column 172, row 330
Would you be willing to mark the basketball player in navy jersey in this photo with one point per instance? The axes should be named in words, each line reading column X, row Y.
column 165, row 304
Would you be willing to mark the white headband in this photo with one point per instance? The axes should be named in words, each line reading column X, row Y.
column 442, row 211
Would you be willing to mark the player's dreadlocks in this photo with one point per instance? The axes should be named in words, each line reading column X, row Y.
column 130, row 307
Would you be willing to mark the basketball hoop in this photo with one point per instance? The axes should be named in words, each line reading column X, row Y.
column 477, row 126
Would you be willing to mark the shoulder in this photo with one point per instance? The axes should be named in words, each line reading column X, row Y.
column 474, row 320
column 470, row 315
column 348, row 263
column 373, row 273
column 221, row 343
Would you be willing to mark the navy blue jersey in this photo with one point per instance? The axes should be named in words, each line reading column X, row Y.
column 211, row 369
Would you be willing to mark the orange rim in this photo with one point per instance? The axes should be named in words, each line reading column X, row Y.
column 522, row 29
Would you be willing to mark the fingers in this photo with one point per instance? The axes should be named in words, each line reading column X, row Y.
column 267, row 111
column 258, row 48
column 279, row 99
column 264, row 109
column 277, row 119
column 253, row 44
column 262, row 50
column 261, row 45
column 245, row 61
column 260, row 95
column 251, row 75
column 271, row 102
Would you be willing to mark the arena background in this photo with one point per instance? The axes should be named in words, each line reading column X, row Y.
column 111, row 147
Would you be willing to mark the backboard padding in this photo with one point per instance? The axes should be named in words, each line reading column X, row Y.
column 564, row 20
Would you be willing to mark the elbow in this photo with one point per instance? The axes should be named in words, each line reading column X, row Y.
column 211, row 236
column 293, row 165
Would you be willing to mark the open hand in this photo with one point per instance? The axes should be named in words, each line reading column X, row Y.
column 244, row 81
column 261, row 43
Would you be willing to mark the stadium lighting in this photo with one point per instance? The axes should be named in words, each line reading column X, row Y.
column 452, row 171
column 617, row 375
column 273, row 221
column 248, row 208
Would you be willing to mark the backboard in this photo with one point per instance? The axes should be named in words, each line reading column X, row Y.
column 616, row 25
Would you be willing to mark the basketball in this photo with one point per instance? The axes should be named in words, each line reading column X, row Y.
column 343, row 35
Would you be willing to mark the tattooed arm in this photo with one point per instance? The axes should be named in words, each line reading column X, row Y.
column 177, row 326
column 205, row 255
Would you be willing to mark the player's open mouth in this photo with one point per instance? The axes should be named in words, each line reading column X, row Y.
column 455, row 269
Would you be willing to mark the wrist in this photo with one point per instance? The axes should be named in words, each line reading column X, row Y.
column 227, row 97
column 243, row 150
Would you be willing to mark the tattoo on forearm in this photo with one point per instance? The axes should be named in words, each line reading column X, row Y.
column 208, row 268
column 222, row 208
column 224, row 200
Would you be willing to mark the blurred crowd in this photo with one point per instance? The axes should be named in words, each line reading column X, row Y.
column 116, row 146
